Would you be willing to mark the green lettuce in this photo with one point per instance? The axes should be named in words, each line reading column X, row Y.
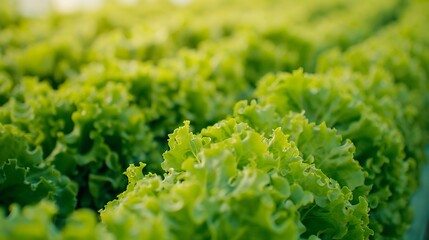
column 379, row 143
column 36, row 222
column 232, row 182
column 87, row 134
column 25, row 178
column 318, row 144
column 399, row 49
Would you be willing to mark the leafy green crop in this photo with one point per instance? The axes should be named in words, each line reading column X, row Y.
column 302, row 120
column 26, row 179
column 231, row 177
column 87, row 134
column 35, row 222
column 379, row 143
column 318, row 144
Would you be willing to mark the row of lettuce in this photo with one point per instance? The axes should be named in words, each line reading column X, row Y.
column 331, row 155
column 81, row 125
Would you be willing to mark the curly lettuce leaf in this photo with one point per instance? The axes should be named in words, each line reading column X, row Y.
column 26, row 179
column 38, row 222
column 229, row 181
column 399, row 49
column 317, row 144
column 89, row 135
column 379, row 143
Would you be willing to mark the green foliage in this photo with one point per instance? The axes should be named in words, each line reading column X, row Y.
column 231, row 182
column 87, row 134
column 318, row 144
column 379, row 143
column 405, row 57
column 35, row 222
column 6, row 86
column 335, row 154
column 26, row 179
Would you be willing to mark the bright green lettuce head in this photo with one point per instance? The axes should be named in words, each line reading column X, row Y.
column 90, row 135
column 230, row 181
column 379, row 143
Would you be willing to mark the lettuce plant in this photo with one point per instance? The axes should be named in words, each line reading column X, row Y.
column 230, row 181
column 379, row 143
column 25, row 178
